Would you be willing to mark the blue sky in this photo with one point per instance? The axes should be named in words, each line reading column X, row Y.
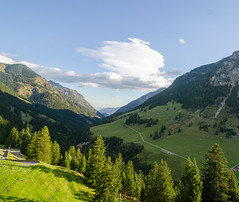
column 114, row 51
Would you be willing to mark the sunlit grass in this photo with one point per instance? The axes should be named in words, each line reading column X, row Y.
column 41, row 182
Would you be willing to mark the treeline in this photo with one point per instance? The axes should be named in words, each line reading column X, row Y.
column 136, row 119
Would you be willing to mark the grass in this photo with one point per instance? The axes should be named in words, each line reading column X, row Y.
column 190, row 142
column 41, row 182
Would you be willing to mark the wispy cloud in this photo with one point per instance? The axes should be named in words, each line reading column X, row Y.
column 181, row 41
column 126, row 65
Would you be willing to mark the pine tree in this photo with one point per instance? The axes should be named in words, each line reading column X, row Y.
column 78, row 158
column 96, row 162
column 31, row 147
column 119, row 163
column 109, row 183
column 82, row 164
column 129, row 180
column 215, row 175
column 190, row 186
column 43, row 145
column 55, row 153
column 67, row 160
column 13, row 139
column 25, row 136
column 160, row 184
column 233, row 191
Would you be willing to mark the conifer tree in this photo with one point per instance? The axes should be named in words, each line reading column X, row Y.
column 129, row 180
column 13, row 139
column 96, row 162
column 31, row 147
column 25, row 136
column 119, row 163
column 160, row 184
column 233, row 191
column 190, row 186
column 55, row 153
column 215, row 175
column 43, row 145
column 67, row 160
column 78, row 158
column 82, row 164
column 109, row 183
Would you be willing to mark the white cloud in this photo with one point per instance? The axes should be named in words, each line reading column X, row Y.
column 181, row 41
column 133, row 63
column 127, row 65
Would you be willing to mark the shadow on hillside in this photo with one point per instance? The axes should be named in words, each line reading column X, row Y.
column 10, row 198
column 84, row 196
column 69, row 175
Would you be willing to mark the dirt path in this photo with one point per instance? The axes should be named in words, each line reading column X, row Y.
column 5, row 152
column 17, row 153
column 162, row 149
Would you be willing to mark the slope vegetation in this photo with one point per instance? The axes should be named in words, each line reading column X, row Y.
column 41, row 182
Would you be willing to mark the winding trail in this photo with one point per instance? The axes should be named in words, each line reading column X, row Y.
column 162, row 149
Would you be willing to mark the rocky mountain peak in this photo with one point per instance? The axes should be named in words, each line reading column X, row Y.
column 235, row 55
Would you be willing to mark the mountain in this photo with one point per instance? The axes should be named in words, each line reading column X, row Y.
column 108, row 111
column 199, row 109
column 203, row 86
column 74, row 95
column 27, row 99
column 19, row 80
column 137, row 102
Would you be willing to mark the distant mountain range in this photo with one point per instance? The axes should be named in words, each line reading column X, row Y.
column 135, row 103
column 108, row 111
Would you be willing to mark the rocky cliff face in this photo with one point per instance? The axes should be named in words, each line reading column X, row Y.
column 228, row 72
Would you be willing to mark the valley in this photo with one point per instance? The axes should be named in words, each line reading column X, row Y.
column 182, row 137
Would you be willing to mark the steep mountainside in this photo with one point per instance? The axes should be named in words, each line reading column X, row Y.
column 137, row 102
column 74, row 95
column 19, row 80
column 203, row 86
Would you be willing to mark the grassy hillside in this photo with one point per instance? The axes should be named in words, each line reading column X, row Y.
column 182, row 135
column 41, row 182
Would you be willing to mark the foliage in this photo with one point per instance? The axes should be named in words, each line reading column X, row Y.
column 160, row 184
column 190, row 186
column 216, row 176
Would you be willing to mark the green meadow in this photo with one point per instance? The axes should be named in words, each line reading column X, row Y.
column 182, row 135
column 41, row 182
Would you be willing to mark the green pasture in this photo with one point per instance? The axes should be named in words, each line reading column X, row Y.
column 41, row 182
column 189, row 142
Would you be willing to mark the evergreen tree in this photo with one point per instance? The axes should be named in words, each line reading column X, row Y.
column 82, row 164
column 13, row 139
column 233, row 191
column 190, row 186
column 55, row 153
column 215, row 175
column 43, row 145
column 78, row 158
column 96, row 162
column 160, row 184
column 119, row 163
column 109, row 183
column 129, row 180
column 25, row 136
column 31, row 147
column 67, row 160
